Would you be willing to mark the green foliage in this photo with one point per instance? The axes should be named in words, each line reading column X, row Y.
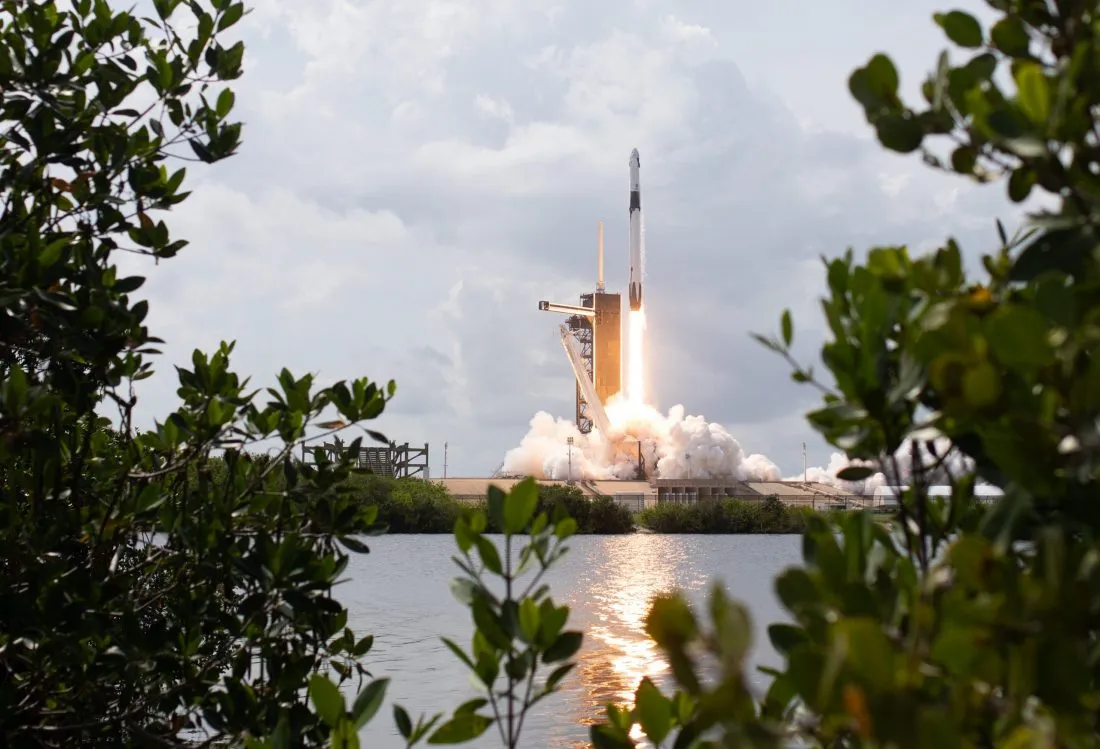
column 598, row 514
column 147, row 590
column 519, row 630
column 418, row 506
column 958, row 627
column 725, row 516
column 409, row 505
column 169, row 587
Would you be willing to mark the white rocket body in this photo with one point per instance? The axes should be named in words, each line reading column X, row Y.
column 636, row 249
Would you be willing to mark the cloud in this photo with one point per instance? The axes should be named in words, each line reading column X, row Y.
column 415, row 176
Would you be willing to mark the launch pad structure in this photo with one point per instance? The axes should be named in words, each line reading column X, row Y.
column 592, row 338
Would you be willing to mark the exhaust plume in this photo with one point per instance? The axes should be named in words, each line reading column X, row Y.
column 677, row 445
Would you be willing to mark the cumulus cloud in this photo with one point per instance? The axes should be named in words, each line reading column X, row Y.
column 415, row 176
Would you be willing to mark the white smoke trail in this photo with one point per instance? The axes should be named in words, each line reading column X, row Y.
column 675, row 446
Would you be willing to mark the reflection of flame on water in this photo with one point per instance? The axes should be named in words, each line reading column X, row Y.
column 618, row 653
column 622, row 633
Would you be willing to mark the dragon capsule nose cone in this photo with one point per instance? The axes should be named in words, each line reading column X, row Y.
column 635, row 159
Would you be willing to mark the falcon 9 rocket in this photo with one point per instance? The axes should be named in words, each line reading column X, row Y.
column 636, row 249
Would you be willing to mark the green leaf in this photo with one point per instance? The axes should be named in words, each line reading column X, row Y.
column 368, row 701
column 732, row 627
column 787, row 327
column 785, row 637
column 463, row 590
column 882, row 75
column 981, row 385
column 670, row 621
column 1034, row 93
column 1058, row 249
column 796, row 589
column 490, row 557
column 231, row 15
column 964, row 159
column 565, row 528
column 326, row 699
column 1020, row 183
column 567, row 644
column 52, row 252
column 129, row 284
column 552, row 620
column 529, row 620
column 768, row 342
column 868, row 652
column 354, row 544
column 489, row 624
column 609, row 737
column 458, row 652
column 202, row 151
column 1010, row 36
column 557, row 675
column 779, row 695
column 464, row 535
column 494, row 499
column 898, row 133
column 463, row 727
column 855, row 473
column 961, row 28
column 225, row 103
column 401, row 718
column 653, row 711
column 1018, row 336
column 519, row 506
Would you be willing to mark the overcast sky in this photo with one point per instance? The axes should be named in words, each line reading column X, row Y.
column 417, row 174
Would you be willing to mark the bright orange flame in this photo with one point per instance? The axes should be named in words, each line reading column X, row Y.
column 635, row 362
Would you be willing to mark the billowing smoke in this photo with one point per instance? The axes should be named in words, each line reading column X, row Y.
column 676, row 446
column 671, row 446
column 940, row 467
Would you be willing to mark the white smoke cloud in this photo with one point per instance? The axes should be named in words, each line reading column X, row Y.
column 942, row 465
column 673, row 445
column 677, row 445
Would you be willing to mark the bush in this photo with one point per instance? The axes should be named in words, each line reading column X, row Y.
column 725, row 516
column 409, row 505
column 593, row 515
column 150, row 592
column 955, row 627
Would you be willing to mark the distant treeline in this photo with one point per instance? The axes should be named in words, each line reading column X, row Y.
column 412, row 505
column 725, row 516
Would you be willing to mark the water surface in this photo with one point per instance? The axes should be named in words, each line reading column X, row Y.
column 400, row 592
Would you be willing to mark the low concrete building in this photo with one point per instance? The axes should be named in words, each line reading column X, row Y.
column 634, row 494
column 638, row 495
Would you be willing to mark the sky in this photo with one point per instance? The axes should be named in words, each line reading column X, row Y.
column 417, row 174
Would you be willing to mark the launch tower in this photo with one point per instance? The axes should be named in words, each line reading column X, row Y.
column 592, row 337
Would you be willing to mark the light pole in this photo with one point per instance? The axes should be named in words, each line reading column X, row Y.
column 569, row 441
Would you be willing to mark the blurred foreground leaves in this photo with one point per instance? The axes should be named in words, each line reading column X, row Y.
column 950, row 627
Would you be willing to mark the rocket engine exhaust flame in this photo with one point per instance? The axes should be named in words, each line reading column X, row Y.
column 635, row 361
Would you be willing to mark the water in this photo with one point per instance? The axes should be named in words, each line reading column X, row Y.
column 400, row 592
